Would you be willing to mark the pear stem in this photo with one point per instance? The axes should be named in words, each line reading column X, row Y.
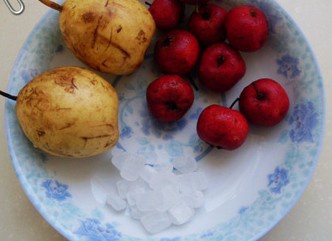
column 52, row 4
column 12, row 97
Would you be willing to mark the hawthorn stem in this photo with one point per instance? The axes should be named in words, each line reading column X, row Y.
column 148, row 3
column 12, row 97
column 197, row 7
column 192, row 82
column 260, row 95
column 234, row 102
column 52, row 4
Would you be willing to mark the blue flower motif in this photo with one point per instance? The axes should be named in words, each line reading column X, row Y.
column 303, row 120
column 28, row 74
column 195, row 115
column 243, row 210
column 170, row 239
column 278, row 179
column 208, row 235
column 94, row 231
column 121, row 97
column 56, row 190
column 288, row 66
column 126, row 132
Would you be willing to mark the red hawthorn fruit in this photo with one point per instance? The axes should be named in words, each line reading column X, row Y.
column 246, row 28
column 222, row 127
column 264, row 102
column 167, row 14
column 169, row 98
column 207, row 24
column 177, row 52
column 220, row 67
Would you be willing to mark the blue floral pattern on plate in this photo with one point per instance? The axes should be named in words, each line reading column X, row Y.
column 288, row 66
column 59, row 189
column 303, row 121
column 93, row 230
column 56, row 190
column 278, row 180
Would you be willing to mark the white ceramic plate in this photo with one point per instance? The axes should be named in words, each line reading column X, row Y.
column 250, row 189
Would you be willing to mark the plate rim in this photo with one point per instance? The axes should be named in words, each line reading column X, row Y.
column 65, row 232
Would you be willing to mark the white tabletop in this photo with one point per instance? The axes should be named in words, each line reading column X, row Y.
column 309, row 220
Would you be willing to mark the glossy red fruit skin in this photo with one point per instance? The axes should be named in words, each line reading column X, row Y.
column 264, row 102
column 222, row 127
column 167, row 14
column 246, row 28
column 207, row 24
column 169, row 97
column 177, row 52
column 221, row 67
column 195, row 2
